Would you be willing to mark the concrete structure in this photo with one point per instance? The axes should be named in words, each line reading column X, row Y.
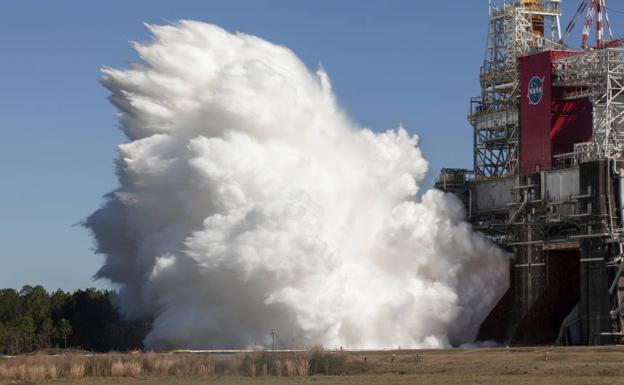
column 548, row 178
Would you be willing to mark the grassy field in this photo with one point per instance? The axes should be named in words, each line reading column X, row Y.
column 470, row 366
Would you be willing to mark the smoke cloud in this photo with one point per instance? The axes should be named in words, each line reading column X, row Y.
column 248, row 201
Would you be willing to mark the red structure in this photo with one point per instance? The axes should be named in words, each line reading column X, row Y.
column 548, row 179
column 549, row 125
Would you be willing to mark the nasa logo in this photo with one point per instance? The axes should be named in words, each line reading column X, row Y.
column 536, row 90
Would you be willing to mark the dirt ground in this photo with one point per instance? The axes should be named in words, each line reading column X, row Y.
column 544, row 365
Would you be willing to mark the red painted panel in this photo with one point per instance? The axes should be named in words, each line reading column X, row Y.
column 571, row 123
column 551, row 125
column 535, row 114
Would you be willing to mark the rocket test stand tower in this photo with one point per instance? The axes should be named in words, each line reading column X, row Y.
column 548, row 176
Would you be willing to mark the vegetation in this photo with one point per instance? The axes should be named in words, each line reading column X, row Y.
column 256, row 364
column 543, row 365
column 33, row 319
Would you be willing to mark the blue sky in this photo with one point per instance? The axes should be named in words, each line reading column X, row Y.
column 391, row 62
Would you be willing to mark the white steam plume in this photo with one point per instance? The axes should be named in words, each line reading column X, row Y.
column 248, row 202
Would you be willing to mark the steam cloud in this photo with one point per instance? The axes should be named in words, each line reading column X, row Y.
column 248, row 202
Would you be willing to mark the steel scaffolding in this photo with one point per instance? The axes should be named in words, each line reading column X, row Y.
column 514, row 30
column 564, row 221
column 599, row 76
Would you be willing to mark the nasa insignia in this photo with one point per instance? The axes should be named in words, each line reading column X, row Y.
column 536, row 90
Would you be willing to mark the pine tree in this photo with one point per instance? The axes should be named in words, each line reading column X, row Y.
column 47, row 332
column 3, row 338
column 26, row 330
column 64, row 330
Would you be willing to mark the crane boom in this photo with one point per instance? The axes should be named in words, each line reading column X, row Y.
column 582, row 7
column 598, row 9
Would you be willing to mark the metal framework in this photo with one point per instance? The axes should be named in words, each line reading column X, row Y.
column 566, row 217
column 597, row 7
column 515, row 30
column 599, row 76
column 593, row 7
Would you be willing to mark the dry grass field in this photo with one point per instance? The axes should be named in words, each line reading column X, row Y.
column 603, row 365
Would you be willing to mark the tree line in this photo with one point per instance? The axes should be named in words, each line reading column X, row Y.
column 33, row 319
